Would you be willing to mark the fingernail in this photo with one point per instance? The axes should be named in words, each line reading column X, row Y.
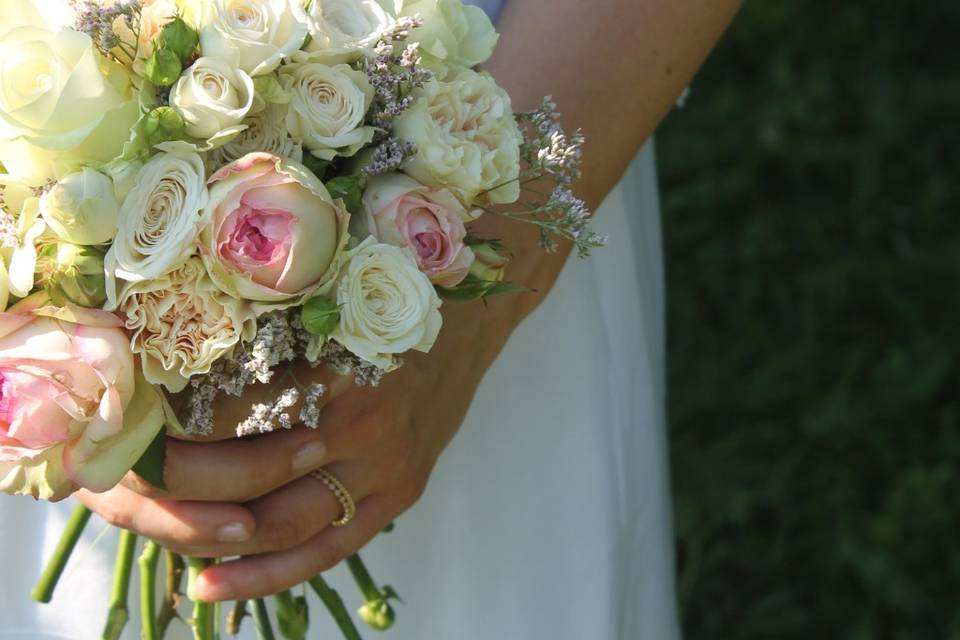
column 211, row 592
column 234, row 532
column 309, row 456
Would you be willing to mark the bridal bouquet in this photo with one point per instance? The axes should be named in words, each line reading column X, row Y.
column 196, row 194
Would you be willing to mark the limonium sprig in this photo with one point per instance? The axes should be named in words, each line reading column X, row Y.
column 98, row 22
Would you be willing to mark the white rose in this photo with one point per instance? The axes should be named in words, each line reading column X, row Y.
column 62, row 104
column 328, row 108
column 266, row 131
column 466, row 137
column 82, row 208
column 258, row 33
column 182, row 323
column 343, row 30
column 452, row 34
column 159, row 218
column 387, row 305
column 213, row 97
column 45, row 14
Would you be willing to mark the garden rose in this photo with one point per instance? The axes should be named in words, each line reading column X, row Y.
column 182, row 323
column 387, row 306
column 257, row 33
column 402, row 212
column 159, row 217
column 266, row 131
column 82, row 208
column 328, row 108
column 467, row 139
column 74, row 412
column 272, row 233
column 453, row 34
column 343, row 30
column 213, row 97
column 62, row 104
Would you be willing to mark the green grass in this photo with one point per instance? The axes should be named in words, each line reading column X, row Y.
column 812, row 216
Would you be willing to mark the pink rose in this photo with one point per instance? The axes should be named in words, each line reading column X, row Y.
column 74, row 410
column 273, row 233
column 402, row 212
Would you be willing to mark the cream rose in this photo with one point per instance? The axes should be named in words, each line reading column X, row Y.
column 466, row 137
column 159, row 218
column 62, row 104
column 213, row 97
column 28, row 229
column 328, row 108
column 266, row 131
column 82, row 208
column 272, row 233
column 257, row 33
column 453, row 34
column 387, row 306
column 182, row 323
column 402, row 212
column 74, row 412
column 343, row 30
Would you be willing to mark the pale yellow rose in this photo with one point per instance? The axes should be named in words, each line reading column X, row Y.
column 387, row 305
column 82, row 208
column 62, row 104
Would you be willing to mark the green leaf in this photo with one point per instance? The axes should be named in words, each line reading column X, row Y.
column 317, row 166
column 269, row 88
column 151, row 464
column 348, row 189
column 320, row 316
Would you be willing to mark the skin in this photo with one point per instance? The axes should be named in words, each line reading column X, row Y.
column 614, row 61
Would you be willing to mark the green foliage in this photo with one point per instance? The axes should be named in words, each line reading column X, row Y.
column 179, row 38
column 151, row 464
column 320, row 316
column 349, row 189
column 473, row 288
column 810, row 202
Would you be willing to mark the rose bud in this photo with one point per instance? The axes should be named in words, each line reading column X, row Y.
column 72, row 274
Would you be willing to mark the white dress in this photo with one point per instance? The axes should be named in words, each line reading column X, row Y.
column 548, row 518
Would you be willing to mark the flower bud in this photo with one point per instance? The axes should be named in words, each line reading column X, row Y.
column 378, row 614
column 320, row 316
column 82, row 208
column 73, row 274
column 178, row 37
column 163, row 67
column 489, row 265
column 162, row 125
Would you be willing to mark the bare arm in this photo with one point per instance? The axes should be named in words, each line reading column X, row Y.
column 615, row 68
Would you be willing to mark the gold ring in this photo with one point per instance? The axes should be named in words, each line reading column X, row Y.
column 340, row 493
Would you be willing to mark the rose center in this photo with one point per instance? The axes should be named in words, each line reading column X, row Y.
column 260, row 236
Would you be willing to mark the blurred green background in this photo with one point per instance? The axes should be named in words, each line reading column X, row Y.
column 811, row 209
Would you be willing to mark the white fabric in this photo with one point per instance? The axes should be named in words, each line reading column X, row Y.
column 548, row 518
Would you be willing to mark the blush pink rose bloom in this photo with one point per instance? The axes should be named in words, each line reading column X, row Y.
column 402, row 212
column 74, row 409
column 272, row 233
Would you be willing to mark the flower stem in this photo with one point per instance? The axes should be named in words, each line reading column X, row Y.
column 363, row 578
column 291, row 616
column 261, row 620
column 119, row 611
column 203, row 612
column 43, row 592
column 171, row 599
column 376, row 610
column 335, row 605
column 148, row 590
column 236, row 616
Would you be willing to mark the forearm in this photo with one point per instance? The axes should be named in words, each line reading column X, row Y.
column 615, row 68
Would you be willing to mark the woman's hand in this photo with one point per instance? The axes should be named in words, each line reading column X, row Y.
column 253, row 497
